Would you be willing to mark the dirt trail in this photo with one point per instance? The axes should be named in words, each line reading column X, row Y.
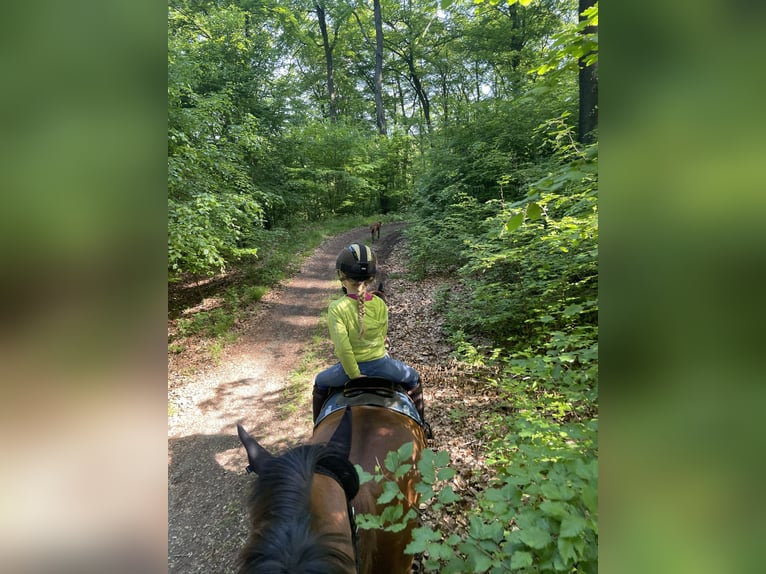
column 207, row 486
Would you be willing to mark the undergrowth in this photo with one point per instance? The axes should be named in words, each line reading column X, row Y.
column 526, row 306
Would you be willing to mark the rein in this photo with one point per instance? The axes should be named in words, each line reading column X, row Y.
column 343, row 472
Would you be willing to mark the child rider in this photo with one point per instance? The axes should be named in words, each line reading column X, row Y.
column 358, row 324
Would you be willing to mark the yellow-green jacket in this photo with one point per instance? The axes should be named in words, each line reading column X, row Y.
column 350, row 347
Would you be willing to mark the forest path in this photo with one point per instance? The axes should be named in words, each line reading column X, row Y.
column 261, row 382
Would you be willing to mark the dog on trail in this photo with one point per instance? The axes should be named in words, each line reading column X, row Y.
column 375, row 231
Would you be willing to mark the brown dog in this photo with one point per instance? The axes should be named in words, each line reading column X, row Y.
column 375, row 231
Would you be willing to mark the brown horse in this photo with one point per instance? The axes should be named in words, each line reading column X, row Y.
column 303, row 503
column 375, row 231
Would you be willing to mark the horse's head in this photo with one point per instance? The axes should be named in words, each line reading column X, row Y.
column 301, row 515
column 300, row 509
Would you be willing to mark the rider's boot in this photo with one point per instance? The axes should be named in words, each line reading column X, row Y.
column 318, row 397
column 416, row 394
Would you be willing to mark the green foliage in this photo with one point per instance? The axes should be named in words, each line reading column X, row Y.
column 528, row 267
column 570, row 45
column 214, row 136
column 517, row 220
column 476, row 170
column 250, row 144
column 540, row 513
column 480, row 99
column 397, row 464
column 215, row 323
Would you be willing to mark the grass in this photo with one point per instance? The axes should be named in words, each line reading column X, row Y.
column 216, row 349
column 299, row 382
column 297, row 390
column 176, row 348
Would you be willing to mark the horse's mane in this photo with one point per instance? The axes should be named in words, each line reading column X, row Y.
column 281, row 540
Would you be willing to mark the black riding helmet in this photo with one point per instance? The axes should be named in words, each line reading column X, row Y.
column 357, row 261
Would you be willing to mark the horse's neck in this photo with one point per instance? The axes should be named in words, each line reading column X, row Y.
column 329, row 510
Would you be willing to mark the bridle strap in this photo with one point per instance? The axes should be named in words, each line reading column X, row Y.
column 337, row 468
column 354, row 537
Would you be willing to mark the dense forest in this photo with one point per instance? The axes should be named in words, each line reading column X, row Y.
column 476, row 122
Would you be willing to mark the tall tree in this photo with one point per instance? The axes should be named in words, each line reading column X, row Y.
column 413, row 35
column 588, row 79
column 328, row 46
column 380, row 114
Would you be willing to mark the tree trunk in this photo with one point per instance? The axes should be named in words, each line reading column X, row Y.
column 328, row 48
column 588, row 80
column 380, row 115
column 421, row 94
column 445, row 95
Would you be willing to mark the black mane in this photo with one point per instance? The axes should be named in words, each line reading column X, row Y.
column 280, row 541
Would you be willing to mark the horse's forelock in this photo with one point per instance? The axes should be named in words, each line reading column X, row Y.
column 292, row 549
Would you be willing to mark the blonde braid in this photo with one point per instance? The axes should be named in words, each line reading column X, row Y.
column 360, row 287
column 361, row 291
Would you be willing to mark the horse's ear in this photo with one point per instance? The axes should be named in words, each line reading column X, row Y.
column 341, row 438
column 256, row 454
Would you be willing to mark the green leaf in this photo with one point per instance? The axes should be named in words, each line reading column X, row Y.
column 421, row 536
column 572, row 525
column 534, row 211
column 426, row 466
column 440, row 551
column 553, row 509
column 535, row 537
column 566, row 550
column 425, row 491
column 363, row 476
column 482, row 563
column 445, row 473
column 572, row 310
column 521, row 559
column 391, row 461
column 442, row 458
column 396, row 527
column 590, row 498
column 495, row 531
column 390, row 491
column 402, row 470
column 392, row 513
column 478, row 561
column 455, row 566
column 448, row 496
column 405, row 451
column 514, row 223
column 369, row 521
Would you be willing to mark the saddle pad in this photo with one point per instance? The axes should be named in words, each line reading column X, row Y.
column 395, row 400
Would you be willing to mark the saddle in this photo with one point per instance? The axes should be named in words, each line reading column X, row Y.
column 370, row 391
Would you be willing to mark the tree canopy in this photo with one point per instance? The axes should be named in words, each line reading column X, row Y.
column 272, row 115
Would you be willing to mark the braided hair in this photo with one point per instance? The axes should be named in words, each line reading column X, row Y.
column 360, row 289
